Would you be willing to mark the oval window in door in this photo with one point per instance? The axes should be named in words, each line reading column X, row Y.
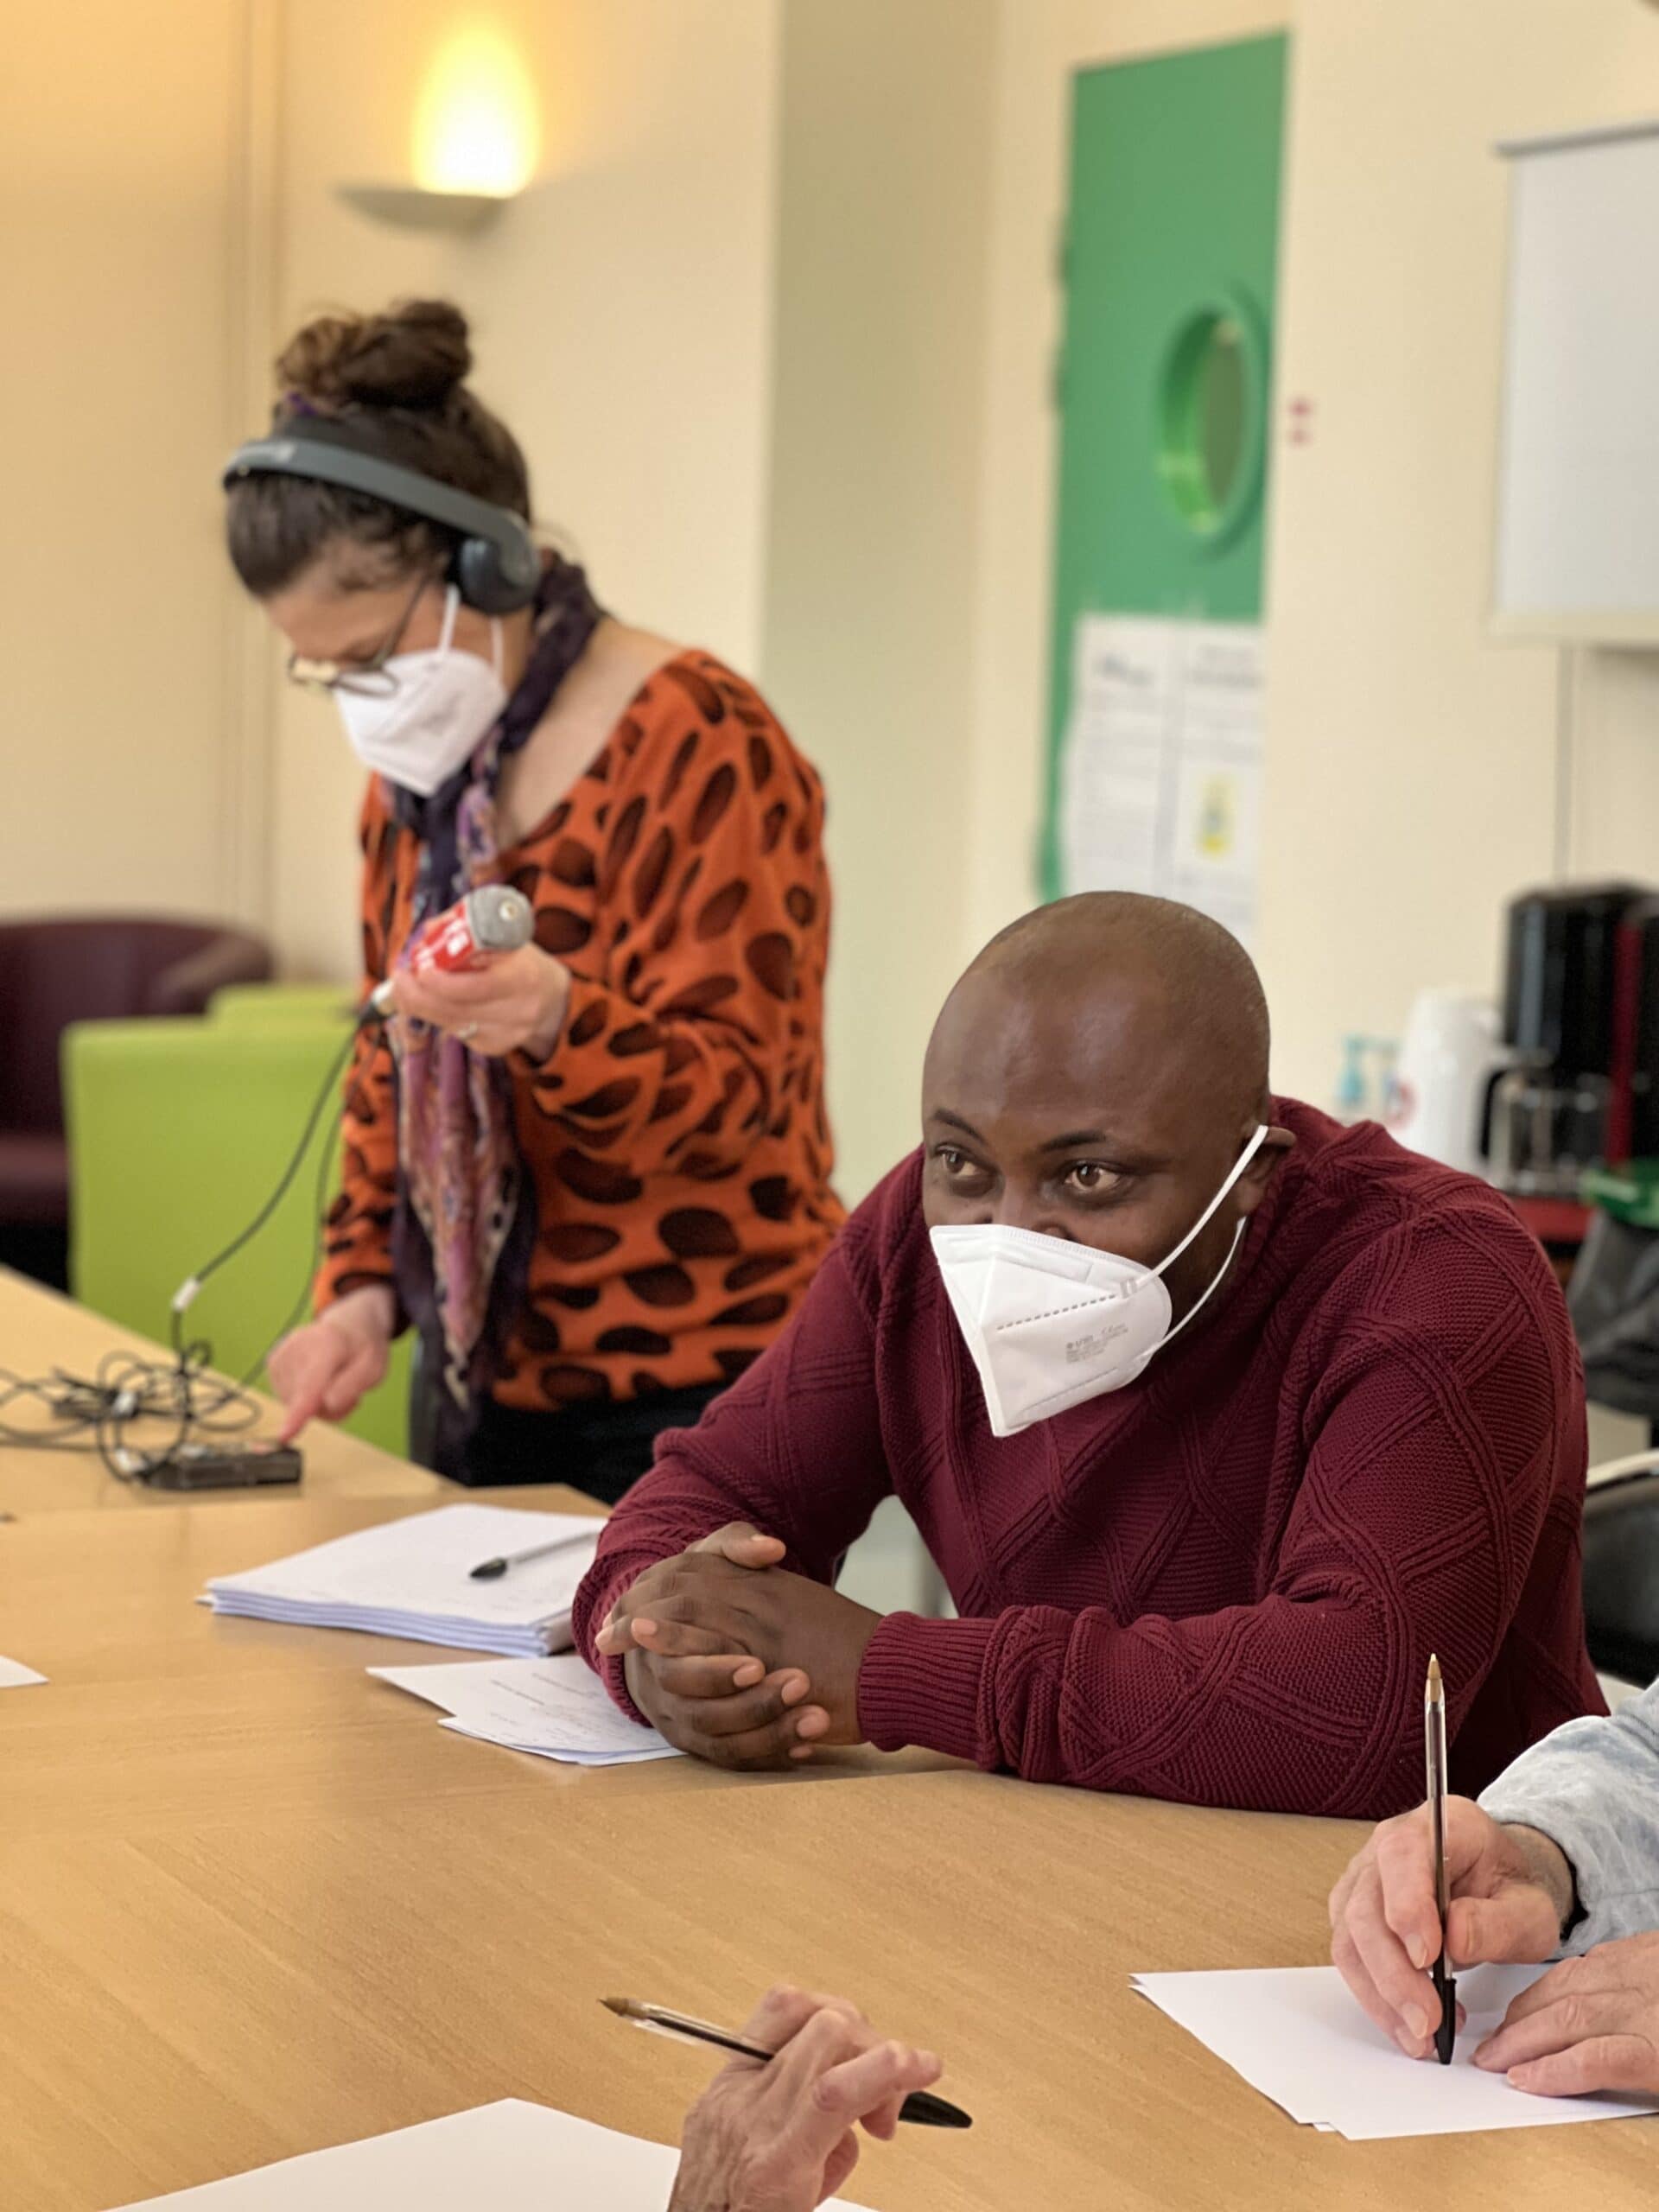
column 1212, row 403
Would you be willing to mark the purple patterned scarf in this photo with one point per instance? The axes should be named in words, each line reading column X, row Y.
column 465, row 1221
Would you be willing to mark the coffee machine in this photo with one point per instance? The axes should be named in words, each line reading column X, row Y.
column 1581, row 1026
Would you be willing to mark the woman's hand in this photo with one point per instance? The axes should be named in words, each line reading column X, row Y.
column 325, row 1367
column 516, row 1002
column 779, row 2137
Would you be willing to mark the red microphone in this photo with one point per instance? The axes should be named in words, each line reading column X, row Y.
column 493, row 919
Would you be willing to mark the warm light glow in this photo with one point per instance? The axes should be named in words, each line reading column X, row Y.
column 475, row 128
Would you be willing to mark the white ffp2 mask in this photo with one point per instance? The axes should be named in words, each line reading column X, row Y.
column 1048, row 1323
column 441, row 703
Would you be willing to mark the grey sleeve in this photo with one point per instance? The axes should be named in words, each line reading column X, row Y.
column 1593, row 1788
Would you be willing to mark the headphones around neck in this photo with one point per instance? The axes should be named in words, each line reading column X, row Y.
column 495, row 564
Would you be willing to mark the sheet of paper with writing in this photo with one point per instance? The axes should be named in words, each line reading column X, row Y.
column 556, row 1707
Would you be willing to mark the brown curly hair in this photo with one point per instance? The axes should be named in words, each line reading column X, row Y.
column 399, row 379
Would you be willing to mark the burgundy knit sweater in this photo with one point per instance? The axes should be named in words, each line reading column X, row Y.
column 1222, row 1584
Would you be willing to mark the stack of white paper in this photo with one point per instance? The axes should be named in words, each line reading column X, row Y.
column 1295, row 2034
column 512, row 2157
column 556, row 1707
column 413, row 1577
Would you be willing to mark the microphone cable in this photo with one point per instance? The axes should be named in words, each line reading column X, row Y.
column 493, row 917
column 93, row 1413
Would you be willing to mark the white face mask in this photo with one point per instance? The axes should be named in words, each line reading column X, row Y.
column 1049, row 1323
column 442, row 703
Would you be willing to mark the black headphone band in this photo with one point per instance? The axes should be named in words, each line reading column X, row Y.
column 326, row 452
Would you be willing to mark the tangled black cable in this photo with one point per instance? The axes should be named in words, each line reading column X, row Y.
column 78, row 1413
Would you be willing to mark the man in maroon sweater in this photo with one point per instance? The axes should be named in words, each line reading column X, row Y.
column 1206, row 1563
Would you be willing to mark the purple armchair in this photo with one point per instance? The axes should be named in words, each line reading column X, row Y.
column 91, row 968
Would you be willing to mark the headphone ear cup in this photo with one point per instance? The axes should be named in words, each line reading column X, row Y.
column 494, row 578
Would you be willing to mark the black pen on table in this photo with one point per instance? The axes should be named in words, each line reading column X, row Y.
column 920, row 2106
column 492, row 1570
column 1445, row 1988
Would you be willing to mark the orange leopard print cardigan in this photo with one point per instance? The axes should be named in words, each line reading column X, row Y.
column 677, row 1137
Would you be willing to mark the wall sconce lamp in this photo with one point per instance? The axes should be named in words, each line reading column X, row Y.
column 476, row 140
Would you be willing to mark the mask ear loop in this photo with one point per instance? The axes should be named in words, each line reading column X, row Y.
column 451, row 609
column 1203, row 1222
column 1207, row 1216
column 1220, row 1277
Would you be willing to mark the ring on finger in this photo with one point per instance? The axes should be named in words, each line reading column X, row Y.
column 467, row 1031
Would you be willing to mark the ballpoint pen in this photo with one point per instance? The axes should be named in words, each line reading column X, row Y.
column 1434, row 1732
column 920, row 2106
column 492, row 1570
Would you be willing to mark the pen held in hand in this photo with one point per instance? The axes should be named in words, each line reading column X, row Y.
column 492, row 1570
column 921, row 2108
column 1445, row 1988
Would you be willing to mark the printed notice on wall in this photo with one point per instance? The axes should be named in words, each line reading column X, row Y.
column 1160, row 771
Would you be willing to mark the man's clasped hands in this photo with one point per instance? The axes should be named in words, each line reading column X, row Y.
column 737, row 1660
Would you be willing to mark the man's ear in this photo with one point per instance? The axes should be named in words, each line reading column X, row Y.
column 1253, row 1184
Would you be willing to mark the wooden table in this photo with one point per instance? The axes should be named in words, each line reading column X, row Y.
column 40, row 1330
column 161, row 1712
column 182, row 2005
column 252, row 1902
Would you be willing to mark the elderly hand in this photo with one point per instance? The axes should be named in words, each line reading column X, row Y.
column 1511, row 1892
column 687, row 1626
column 779, row 2137
column 1588, row 2024
column 516, row 1002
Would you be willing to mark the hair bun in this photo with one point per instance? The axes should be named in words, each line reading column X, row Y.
column 414, row 355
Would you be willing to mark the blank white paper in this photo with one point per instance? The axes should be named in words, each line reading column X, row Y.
column 558, row 1708
column 14, row 1675
column 1295, row 2034
column 512, row 2157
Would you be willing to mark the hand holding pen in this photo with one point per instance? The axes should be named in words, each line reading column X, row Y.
column 1488, row 1892
column 783, row 2133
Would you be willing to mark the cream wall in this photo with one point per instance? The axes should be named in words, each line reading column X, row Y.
column 872, row 527
column 119, row 174
column 622, row 312
column 1412, row 762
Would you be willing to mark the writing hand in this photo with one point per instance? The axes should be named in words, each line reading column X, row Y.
column 1511, row 1891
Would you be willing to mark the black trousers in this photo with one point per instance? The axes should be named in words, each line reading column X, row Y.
column 602, row 1450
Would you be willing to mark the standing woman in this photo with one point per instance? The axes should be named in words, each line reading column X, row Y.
column 594, row 1175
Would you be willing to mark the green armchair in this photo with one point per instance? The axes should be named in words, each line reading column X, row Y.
column 178, row 1132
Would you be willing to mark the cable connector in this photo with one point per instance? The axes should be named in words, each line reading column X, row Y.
column 187, row 1294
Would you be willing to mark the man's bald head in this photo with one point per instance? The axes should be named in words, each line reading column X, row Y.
column 1100, row 942
column 1095, row 1075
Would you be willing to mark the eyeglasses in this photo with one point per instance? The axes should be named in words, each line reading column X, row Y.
column 368, row 678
